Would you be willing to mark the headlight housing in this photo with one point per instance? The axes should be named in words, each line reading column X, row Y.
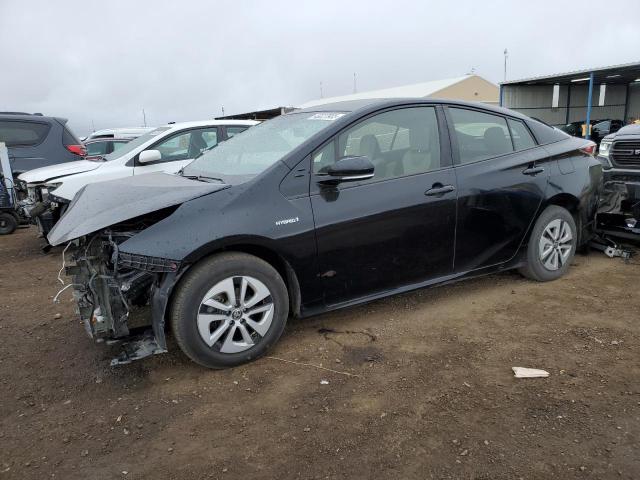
column 603, row 153
column 604, row 149
column 48, row 188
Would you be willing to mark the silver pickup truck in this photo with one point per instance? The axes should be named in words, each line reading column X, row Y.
column 619, row 211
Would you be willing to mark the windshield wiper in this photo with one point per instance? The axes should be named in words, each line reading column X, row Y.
column 201, row 178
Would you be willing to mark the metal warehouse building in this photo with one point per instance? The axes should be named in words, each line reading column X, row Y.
column 592, row 94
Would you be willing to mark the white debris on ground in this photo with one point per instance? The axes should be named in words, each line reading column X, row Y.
column 522, row 372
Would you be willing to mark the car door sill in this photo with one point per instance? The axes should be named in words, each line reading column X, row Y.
column 439, row 281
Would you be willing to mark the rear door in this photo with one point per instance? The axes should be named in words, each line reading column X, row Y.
column 397, row 228
column 179, row 150
column 502, row 177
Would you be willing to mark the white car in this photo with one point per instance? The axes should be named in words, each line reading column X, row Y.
column 164, row 149
column 125, row 132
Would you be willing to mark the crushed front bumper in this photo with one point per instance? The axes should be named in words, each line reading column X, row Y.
column 43, row 208
column 119, row 296
column 619, row 208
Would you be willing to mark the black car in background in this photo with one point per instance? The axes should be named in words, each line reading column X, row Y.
column 599, row 128
column 36, row 141
column 322, row 209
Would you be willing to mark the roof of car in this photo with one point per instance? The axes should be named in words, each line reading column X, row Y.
column 209, row 123
column 375, row 103
column 121, row 130
column 30, row 117
column 108, row 139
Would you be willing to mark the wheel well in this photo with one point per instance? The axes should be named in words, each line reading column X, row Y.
column 572, row 205
column 276, row 261
column 566, row 201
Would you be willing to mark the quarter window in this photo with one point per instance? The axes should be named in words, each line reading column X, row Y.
column 480, row 135
column 231, row 131
column 398, row 143
column 22, row 134
column 522, row 139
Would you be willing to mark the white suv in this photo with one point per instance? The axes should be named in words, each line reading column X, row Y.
column 164, row 149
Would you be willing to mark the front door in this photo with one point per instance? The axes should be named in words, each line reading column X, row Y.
column 502, row 177
column 397, row 228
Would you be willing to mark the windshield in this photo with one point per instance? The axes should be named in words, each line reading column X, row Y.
column 256, row 149
column 133, row 144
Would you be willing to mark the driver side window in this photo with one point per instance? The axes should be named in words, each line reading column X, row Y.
column 399, row 143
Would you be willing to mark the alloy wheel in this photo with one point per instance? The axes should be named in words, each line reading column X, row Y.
column 555, row 244
column 235, row 314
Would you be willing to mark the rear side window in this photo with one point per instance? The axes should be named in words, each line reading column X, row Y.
column 480, row 135
column 22, row 134
column 522, row 139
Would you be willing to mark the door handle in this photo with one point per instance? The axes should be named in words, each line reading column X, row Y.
column 439, row 189
column 532, row 170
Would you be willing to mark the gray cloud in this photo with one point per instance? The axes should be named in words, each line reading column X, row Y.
column 185, row 60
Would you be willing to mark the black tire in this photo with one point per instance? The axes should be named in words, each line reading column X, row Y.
column 8, row 223
column 194, row 286
column 535, row 268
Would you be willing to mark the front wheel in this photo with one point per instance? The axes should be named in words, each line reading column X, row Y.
column 552, row 245
column 8, row 223
column 229, row 309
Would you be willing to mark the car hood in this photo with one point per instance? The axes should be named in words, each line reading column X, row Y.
column 99, row 205
column 45, row 174
column 629, row 130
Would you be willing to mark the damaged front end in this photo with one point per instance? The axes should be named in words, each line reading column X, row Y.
column 121, row 298
column 619, row 209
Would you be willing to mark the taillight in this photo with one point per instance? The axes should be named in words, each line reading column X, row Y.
column 589, row 149
column 77, row 149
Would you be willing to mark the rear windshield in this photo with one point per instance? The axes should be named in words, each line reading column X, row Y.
column 22, row 134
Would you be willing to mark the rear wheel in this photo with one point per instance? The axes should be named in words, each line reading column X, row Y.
column 552, row 245
column 229, row 309
column 8, row 223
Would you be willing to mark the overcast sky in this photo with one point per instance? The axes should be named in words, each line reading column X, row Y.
column 185, row 60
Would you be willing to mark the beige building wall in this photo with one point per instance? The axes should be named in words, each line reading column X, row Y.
column 472, row 89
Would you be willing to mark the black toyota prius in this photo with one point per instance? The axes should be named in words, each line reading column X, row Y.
column 321, row 209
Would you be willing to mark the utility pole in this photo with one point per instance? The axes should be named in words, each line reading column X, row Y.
column 506, row 55
column 321, row 95
column 355, row 89
column 144, row 117
column 223, row 110
column 93, row 126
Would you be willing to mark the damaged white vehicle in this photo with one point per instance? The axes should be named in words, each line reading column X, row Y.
column 164, row 149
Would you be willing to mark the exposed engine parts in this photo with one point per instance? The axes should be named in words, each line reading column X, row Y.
column 114, row 294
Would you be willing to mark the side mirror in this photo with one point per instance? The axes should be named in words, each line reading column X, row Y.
column 149, row 156
column 348, row 169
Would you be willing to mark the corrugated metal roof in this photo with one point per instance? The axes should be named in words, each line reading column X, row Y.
column 424, row 89
column 566, row 76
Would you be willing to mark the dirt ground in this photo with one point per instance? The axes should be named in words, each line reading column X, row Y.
column 434, row 395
